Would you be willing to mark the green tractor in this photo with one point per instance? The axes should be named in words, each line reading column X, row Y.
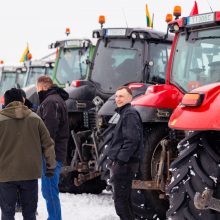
column 69, row 64
column 72, row 58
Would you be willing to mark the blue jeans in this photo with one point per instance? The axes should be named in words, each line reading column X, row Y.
column 50, row 192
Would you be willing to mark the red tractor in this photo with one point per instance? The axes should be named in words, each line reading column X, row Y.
column 194, row 62
column 195, row 184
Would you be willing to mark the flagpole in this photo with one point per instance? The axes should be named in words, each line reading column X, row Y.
column 152, row 21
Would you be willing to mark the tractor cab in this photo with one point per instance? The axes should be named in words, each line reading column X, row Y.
column 129, row 55
column 35, row 69
column 11, row 77
column 197, row 53
column 38, row 68
column 136, row 57
column 71, row 61
column 195, row 56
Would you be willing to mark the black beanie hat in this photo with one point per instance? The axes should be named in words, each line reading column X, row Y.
column 12, row 95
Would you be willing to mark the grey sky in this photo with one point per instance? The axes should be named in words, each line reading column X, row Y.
column 44, row 21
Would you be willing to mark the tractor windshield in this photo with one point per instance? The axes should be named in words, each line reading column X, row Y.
column 196, row 59
column 117, row 62
column 35, row 72
column 72, row 64
column 121, row 61
column 20, row 79
column 49, row 71
column 8, row 81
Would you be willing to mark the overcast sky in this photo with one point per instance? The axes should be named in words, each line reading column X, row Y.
column 41, row 22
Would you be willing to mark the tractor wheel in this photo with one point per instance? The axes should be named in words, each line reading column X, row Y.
column 103, row 147
column 195, row 169
column 94, row 186
column 147, row 203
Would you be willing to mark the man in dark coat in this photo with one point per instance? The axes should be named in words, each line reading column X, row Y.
column 53, row 111
column 24, row 140
column 125, row 151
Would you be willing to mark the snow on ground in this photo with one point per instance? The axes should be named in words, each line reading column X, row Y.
column 80, row 207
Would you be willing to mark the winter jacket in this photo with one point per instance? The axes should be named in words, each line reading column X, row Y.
column 53, row 112
column 23, row 140
column 127, row 140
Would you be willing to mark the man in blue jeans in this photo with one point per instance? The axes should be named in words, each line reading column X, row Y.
column 53, row 112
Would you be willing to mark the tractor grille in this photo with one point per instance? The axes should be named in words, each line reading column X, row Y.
column 89, row 119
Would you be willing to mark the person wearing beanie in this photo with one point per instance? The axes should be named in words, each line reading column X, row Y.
column 53, row 111
column 13, row 95
column 24, row 140
column 32, row 107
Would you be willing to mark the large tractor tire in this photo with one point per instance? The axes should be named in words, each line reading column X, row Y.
column 103, row 147
column 147, row 203
column 195, row 169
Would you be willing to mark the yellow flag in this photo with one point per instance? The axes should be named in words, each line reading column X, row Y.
column 148, row 18
column 25, row 55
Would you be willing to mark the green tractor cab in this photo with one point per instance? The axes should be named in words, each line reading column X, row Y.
column 71, row 60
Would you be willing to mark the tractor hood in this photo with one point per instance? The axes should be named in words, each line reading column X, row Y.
column 204, row 116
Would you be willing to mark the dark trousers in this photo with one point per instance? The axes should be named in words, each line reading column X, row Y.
column 121, row 178
column 28, row 194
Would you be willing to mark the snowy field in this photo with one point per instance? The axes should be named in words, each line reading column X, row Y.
column 80, row 207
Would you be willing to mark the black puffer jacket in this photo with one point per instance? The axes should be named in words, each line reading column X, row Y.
column 53, row 112
column 127, row 140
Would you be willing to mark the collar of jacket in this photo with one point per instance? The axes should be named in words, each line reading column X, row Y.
column 16, row 110
column 45, row 93
column 53, row 90
column 119, row 110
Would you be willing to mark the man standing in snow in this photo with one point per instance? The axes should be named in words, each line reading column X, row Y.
column 23, row 140
column 54, row 113
column 125, row 151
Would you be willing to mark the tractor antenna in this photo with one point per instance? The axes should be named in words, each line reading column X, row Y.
column 124, row 17
column 209, row 5
column 152, row 25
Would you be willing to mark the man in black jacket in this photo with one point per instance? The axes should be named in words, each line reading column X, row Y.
column 53, row 111
column 125, row 151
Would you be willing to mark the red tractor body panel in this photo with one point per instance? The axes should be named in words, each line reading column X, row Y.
column 159, row 96
column 204, row 117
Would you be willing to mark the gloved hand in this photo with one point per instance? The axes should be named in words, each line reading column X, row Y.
column 49, row 173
